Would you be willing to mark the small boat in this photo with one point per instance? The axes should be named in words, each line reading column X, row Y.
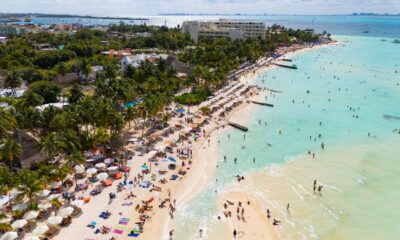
column 365, row 32
column 396, row 41
column 383, row 40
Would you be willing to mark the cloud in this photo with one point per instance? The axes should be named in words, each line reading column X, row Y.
column 151, row 7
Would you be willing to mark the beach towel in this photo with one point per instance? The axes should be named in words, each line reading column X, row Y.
column 124, row 221
column 133, row 235
column 119, row 229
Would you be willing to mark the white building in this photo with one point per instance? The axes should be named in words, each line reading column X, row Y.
column 136, row 60
column 224, row 28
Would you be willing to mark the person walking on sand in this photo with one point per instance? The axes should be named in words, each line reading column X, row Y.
column 234, row 233
column 268, row 214
column 320, row 188
column 315, row 185
column 171, row 233
column 288, row 208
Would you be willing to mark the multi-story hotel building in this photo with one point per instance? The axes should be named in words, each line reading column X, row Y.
column 224, row 28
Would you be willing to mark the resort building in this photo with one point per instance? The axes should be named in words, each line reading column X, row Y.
column 224, row 28
column 6, row 30
column 136, row 60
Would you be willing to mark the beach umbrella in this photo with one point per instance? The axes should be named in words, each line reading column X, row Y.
column 77, row 202
column 91, row 171
column 55, row 220
column 79, row 169
column 65, row 212
column 100, row 165
column 32, row 238
column 90, row 160
column 43, row 193
column 144, row 167
column 40, row 230
column 20, row 207
column 113, row 168
column 108, row 161
column 102, row 176
column 5, row 220
column 53, row 196
column 44, row 206
column 55, row 184
column 19, row 224
column 9, row 236
column 31, row 215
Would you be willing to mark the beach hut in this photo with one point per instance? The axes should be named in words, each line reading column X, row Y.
column 9, row 236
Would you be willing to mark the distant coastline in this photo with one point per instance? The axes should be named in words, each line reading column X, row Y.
column 43, row 15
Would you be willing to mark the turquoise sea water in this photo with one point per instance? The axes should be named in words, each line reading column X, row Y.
column 349, row 88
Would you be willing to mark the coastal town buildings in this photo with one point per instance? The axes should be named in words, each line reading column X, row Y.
column 224, row 28
column 6, row 30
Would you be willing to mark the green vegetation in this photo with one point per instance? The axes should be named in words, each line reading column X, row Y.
column 96, row 112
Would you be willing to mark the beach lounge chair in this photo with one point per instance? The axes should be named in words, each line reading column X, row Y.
column 92, row 224
column 117, row 176
column 107, row 183
column 96, row 191
column 124, row 221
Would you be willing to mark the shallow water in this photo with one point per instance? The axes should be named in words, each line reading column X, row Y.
column 350, row 88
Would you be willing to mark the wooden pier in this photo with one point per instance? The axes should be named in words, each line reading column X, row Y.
column 286, row 66
column 238, row 126
column 262, row 103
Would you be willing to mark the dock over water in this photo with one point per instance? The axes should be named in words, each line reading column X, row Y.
column 262, row 103
column 238, row 126
column 286, row 66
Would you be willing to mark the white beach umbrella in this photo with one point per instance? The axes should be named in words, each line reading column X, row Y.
column 32, row 238
column 43, row 193
column 79, row 169
column 65, row 212
column 40, row 230
column 19, row 224
column 108, row 160
column 100, row 165
column 90, row 160
column 91, row 171
column 20, row 207
column 5, row 220
column 44, row 206
column 102, row 176
column 31, row 215
column 9, row 236
column 113, row 168
column 77, row 202
column 54, row 220
column 53, row 196
column 55, row 184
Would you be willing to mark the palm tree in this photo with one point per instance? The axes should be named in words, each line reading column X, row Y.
column 10, row 151
column 62, row 68
column 52, row 144
column 7, row 181
column 13, row 80
column 84, row 68
column 29, row 184
column 73, row 159
column 130, row 115
column 7, row 122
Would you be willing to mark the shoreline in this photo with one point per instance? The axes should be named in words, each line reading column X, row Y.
column 198, row 175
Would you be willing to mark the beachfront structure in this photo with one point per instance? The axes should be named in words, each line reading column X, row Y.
column 224, row 28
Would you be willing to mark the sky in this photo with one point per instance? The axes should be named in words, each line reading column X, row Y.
column 154, row 7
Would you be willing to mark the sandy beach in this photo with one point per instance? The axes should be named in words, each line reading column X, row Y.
column 201, row 168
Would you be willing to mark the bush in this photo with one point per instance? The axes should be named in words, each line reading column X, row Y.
column 193, row 98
